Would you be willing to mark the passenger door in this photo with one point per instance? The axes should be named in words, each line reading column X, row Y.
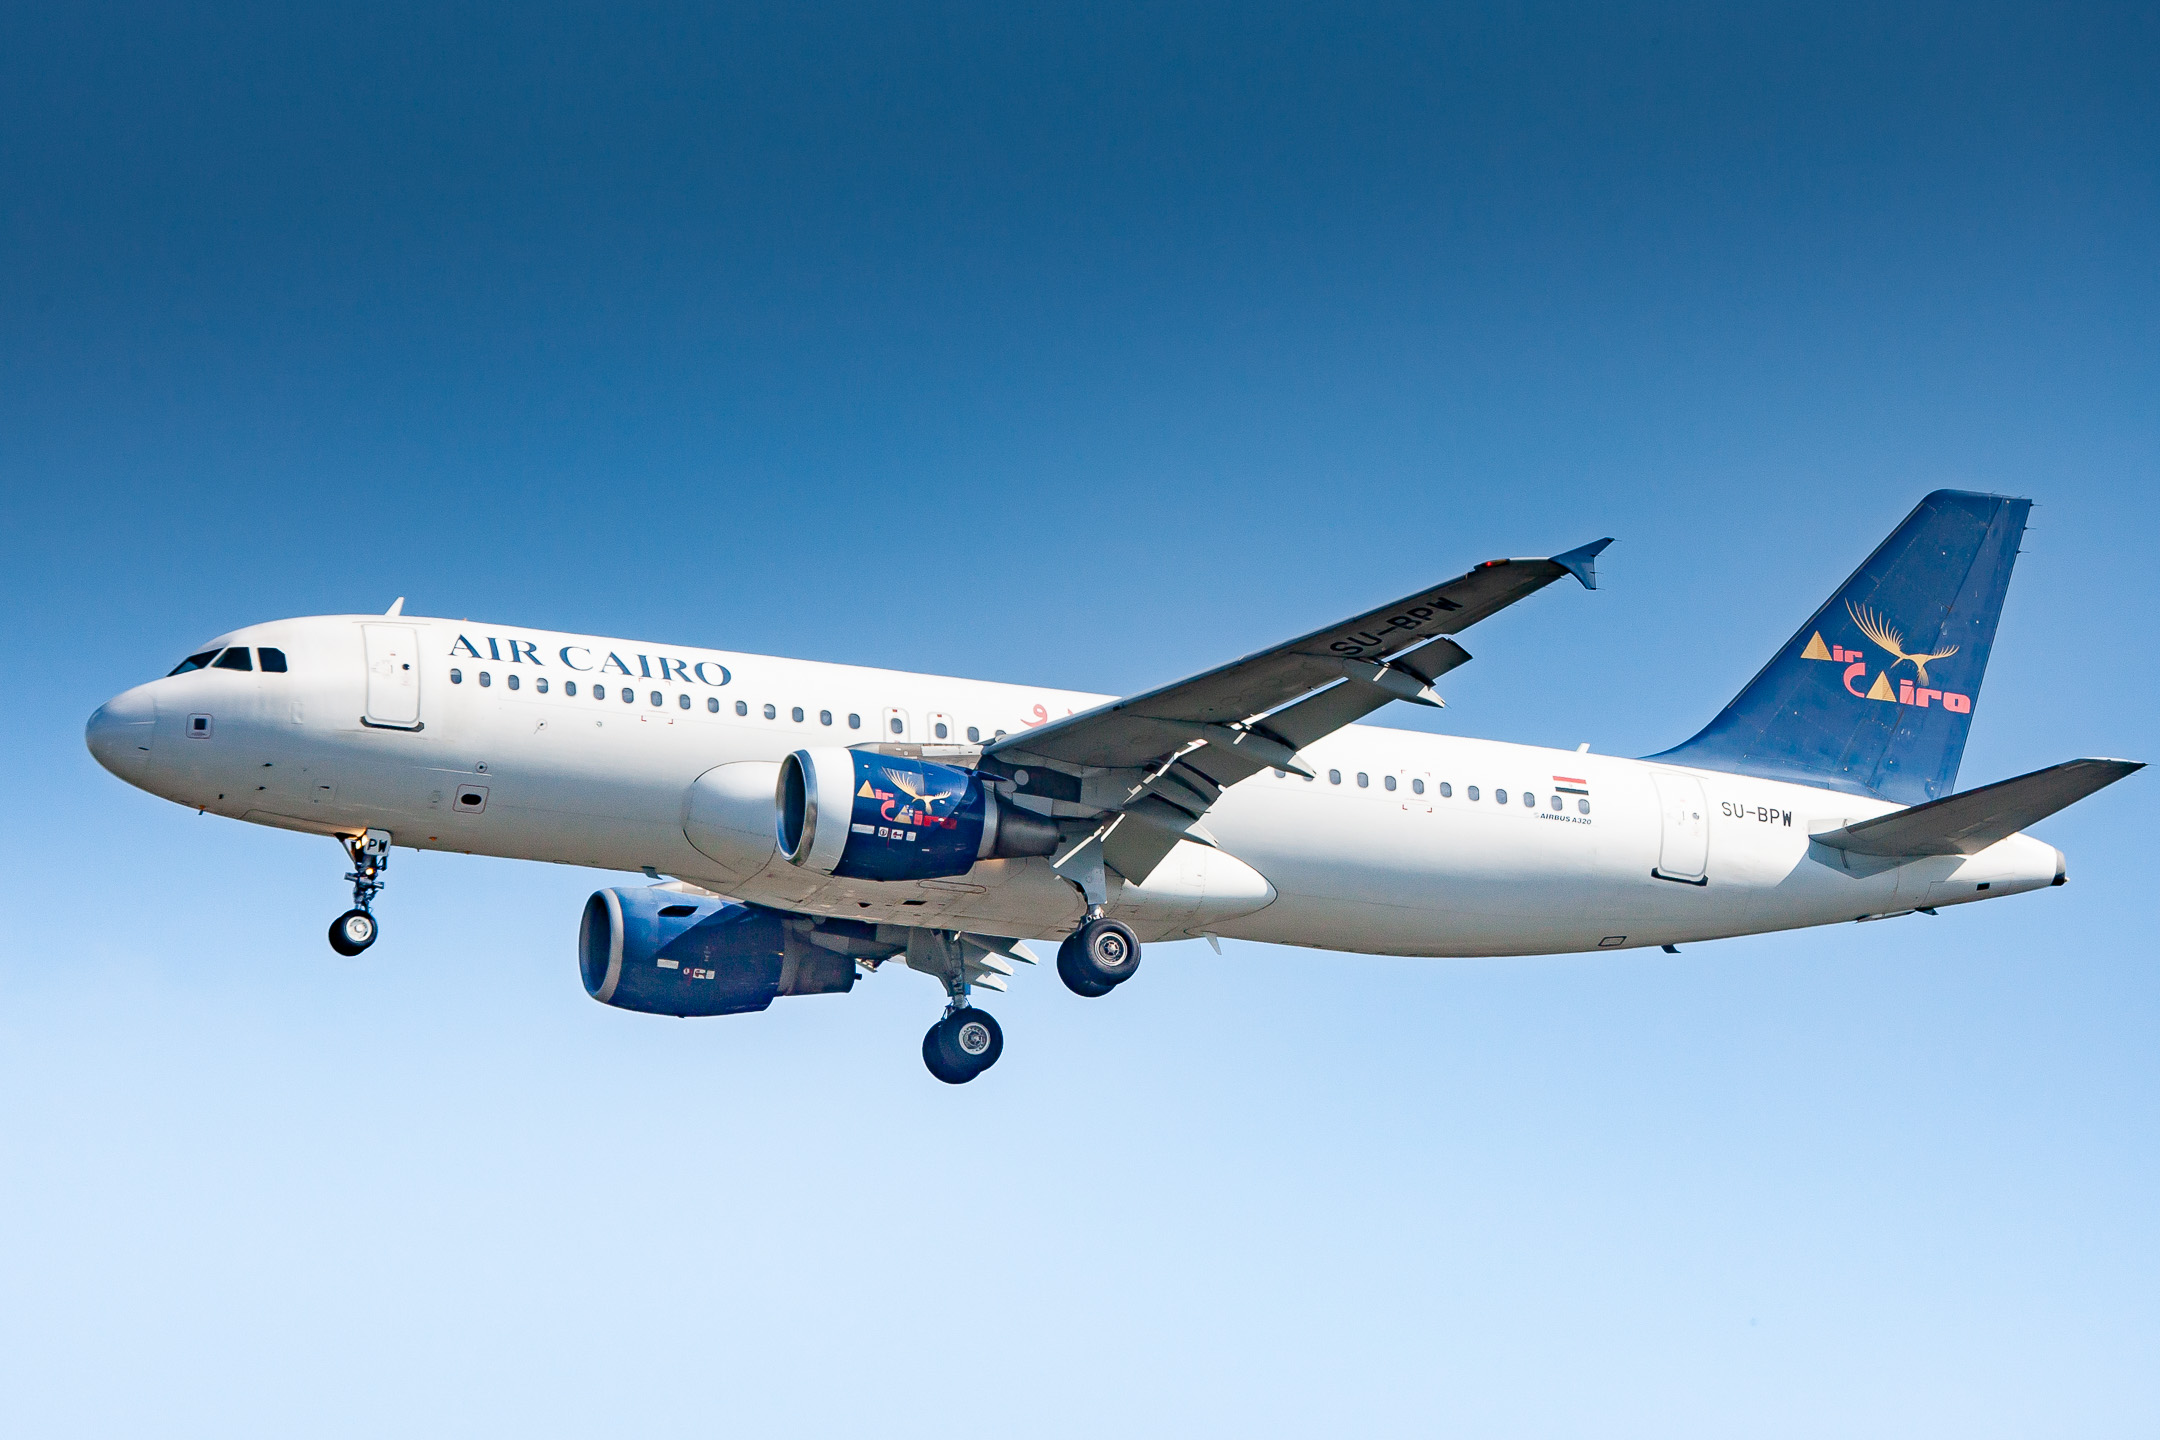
column 1684, row 845
column 393, row 677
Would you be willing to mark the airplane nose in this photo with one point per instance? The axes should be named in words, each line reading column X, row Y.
column 119, row 732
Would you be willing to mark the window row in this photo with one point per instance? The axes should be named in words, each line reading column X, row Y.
column 234, row 657
column 1528, row 798
column 658, row 700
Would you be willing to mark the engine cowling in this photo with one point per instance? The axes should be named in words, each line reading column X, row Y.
column 860, row 815
column 668, row 953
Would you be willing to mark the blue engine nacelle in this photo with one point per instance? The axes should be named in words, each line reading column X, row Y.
column 668, row 953
column 860, row 815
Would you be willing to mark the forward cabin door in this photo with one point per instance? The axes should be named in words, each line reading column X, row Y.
column 1684, row 846
column 393, row 677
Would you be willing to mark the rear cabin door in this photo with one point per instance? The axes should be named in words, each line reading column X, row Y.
column 1684, row 846
column 393, row 676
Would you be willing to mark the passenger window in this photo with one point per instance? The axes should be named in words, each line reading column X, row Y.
column 942, row 732
column 682, row 702
column 193, row 662
column 974, row 734
column 1447, row 791
column 486, row 679
column 1362, row 782
column 1471, row 792
column 513, row 680
column 1334, row 777
column 658, row 699
column 599, row 692
column 1558, row 803
column 796, row 714
column 570, row 688
column 1417, row 787
column 771, row 713
column 1388, row 781
column 457, row 676
column 629, row 696
column 1499, row 797
column 824, row 717
column 897, row 727
column 1529, row 800
column 541, row 684
column 712, row 704
column 742, row 707
column 1583, row 806
column 1282, row 774
column 273, row 660
column 235, row 659
column 854, row 722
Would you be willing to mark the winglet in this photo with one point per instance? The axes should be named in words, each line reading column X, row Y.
column 397, row 606
column 1581, row 562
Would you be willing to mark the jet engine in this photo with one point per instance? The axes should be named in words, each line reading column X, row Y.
column 665, row 952
column 860, row 815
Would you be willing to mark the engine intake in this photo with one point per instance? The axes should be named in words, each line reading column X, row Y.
column 667, row 953
column 860, row 815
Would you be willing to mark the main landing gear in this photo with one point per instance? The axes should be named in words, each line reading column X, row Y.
column 963, row 1044
column 965, row 1041
column 1098, row 957
column 355, row 930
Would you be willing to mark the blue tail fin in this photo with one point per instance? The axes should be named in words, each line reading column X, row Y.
column 1875, row 693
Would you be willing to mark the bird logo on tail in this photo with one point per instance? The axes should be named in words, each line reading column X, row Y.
column 1884, row 634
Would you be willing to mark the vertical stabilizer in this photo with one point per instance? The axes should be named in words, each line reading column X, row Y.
column 1875, row 693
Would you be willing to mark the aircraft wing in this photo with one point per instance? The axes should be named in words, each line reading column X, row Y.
column 1152, row 764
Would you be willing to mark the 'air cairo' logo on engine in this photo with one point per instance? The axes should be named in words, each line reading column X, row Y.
column 1915, row 691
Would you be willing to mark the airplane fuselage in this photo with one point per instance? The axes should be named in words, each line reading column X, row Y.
column 629, row 756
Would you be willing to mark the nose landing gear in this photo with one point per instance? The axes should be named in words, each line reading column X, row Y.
column 355, row 930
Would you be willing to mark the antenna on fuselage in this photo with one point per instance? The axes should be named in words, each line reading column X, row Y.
column 397, row 606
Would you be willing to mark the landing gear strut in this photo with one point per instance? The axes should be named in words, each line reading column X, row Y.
column 1098, row 957
column 355, row 930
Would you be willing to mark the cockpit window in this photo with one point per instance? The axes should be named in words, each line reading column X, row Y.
column 234, row 659
column 272, row 660
column 193, row 662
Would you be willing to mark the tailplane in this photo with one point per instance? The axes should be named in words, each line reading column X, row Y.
column 1875, row 693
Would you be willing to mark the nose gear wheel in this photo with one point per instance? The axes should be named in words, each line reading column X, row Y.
column 355, row 930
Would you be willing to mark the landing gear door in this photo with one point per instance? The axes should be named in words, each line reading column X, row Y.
column 393, row 677
column 1684, row 845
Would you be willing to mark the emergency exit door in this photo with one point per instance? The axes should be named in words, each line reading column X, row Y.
column 393, row 677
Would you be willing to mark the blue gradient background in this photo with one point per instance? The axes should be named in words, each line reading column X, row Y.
column 1079, row 346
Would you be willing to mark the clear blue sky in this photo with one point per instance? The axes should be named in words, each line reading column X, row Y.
column 1090, row 347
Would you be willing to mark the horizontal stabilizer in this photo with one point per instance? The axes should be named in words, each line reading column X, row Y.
column 1967, row 824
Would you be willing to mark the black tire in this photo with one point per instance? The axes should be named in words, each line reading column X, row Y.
column 1105, row 953
column 352, row 932
column 1068, row 968
column 962, row 1046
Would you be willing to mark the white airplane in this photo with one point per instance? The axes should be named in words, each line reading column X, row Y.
column 807, row 822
